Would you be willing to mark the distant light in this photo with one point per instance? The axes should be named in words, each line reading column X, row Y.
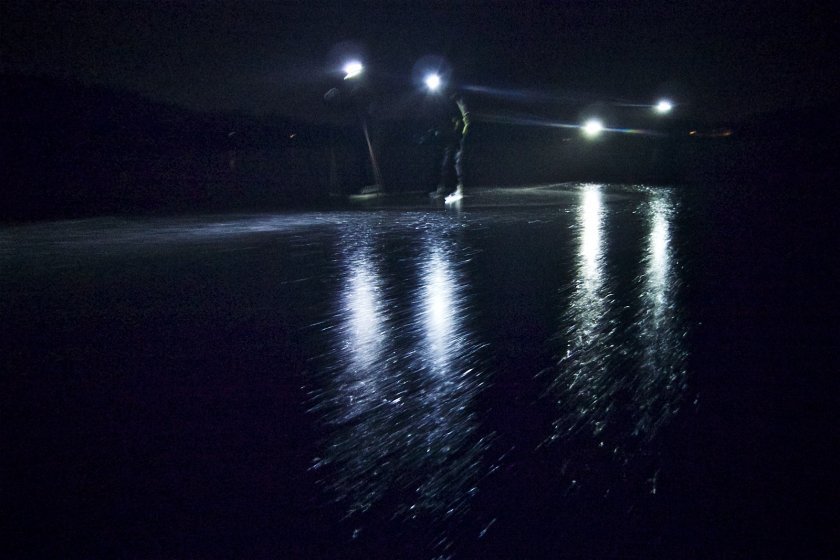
column 432, row 82
column 663, row 107
column 352, row 69
column 593, row 127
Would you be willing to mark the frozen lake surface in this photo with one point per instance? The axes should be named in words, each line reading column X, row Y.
column 582, row 370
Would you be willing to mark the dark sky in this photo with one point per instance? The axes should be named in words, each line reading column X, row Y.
column 721, row 59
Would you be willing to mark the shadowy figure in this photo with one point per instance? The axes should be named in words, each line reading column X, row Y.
column 452, row 132
column 353, row 98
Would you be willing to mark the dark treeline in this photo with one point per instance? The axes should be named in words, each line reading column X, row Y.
column 74, row 150
column 71, row 149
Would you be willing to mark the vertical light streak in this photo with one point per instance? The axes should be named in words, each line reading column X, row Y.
column 660, row 381
column 588, row 306
column 362, row 328
column 439, row 311
column 590, row 225
column 582, row 384
column 363, row 301
column 659, row 253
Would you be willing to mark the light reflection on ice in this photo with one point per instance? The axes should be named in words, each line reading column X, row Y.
column 365, row 330
column 582, row 381
column 395, row 388
column 440, row 295
column 620, row 377
column 590, row 225
column 661, row 377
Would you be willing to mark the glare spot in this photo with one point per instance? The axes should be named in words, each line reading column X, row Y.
column 592, row 128
column 352, row 69
column 664, row 106
column 432, row 82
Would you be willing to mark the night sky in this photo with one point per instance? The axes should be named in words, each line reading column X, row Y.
column 717, row 59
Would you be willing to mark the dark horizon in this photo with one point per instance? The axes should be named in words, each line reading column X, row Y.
column 74, row 150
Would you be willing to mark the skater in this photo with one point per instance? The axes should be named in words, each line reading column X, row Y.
column 453, row 134
column 353, row 100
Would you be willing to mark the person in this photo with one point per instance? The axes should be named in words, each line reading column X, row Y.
column 453, row 134
column 354, row 99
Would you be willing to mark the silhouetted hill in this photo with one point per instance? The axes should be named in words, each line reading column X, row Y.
column 72, row 149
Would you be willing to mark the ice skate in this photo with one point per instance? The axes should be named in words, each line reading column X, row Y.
column 455, row 195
